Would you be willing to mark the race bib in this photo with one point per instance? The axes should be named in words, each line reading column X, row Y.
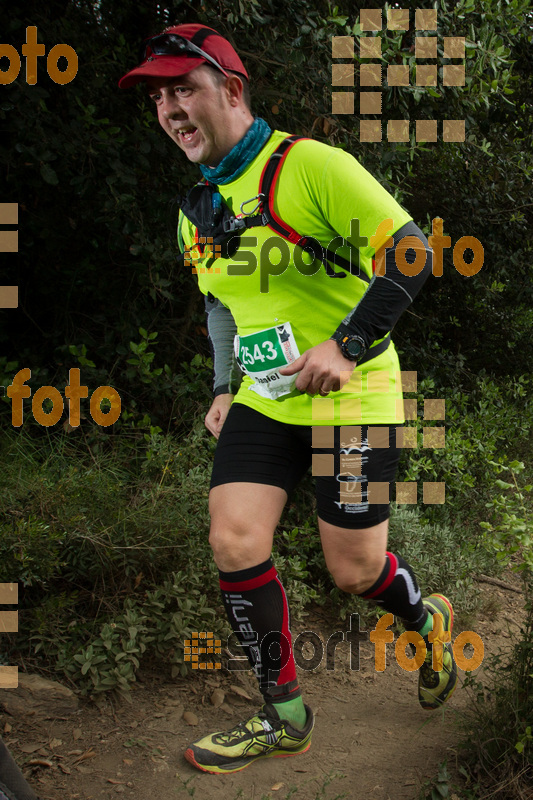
column 260, row 355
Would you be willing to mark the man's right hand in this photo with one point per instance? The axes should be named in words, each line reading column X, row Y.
column 216, row 416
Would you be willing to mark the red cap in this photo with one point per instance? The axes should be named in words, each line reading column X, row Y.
column 168, row 66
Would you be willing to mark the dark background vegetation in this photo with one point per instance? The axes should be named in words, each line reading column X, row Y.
column 105, row 528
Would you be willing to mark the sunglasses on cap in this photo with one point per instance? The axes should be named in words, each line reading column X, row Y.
column 172, row 44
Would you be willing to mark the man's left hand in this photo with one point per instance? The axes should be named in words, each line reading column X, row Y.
column 322, row 369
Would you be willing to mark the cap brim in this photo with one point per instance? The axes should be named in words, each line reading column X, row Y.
column 160, row 67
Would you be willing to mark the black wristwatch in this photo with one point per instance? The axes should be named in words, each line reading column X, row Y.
column 352, row 346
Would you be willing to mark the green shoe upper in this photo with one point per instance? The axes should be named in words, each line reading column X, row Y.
column 435, row 687
column 263, row 735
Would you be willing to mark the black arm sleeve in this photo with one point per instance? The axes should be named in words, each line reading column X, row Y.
column 389, row 295
column 221, row 329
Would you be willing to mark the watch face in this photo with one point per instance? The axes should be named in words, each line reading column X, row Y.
column 354, row 348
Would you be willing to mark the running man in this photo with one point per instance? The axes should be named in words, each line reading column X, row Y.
column 304, row 327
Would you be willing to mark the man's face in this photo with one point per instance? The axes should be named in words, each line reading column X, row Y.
column 196, row 113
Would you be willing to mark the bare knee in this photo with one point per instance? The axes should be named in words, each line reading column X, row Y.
column 357, row 578
column 355, row 558
column 236, row 546
column 243, row 520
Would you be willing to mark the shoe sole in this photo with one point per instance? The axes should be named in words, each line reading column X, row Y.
column 440, row 703
column 189, row 755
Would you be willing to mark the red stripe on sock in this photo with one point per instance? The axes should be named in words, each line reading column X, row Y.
column 288, row 670
column 393, row 566
column 251, row 583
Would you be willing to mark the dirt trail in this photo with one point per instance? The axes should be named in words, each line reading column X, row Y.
column 371, row 736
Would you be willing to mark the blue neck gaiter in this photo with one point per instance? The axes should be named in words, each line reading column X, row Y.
column 239, row 156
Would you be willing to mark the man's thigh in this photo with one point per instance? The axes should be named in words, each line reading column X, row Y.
column 356, row 491
column 258, row 461
column 253, row 448
column 353, row 504
column 244, row 517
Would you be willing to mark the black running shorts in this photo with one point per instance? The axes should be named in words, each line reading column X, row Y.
column 357, row 467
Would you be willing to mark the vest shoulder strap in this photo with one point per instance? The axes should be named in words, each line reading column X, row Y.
column 267, row 187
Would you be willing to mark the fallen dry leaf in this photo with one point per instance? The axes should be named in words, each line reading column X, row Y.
column 53, row 743
column 237, row 690
column 77, row 733
column 30, row 748
column 217, row 697
column 190, row 718
column 327, row 126
column 277, row 786
column 84, row 756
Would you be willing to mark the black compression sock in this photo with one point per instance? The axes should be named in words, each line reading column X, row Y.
column 396, row 590
column 258, row 612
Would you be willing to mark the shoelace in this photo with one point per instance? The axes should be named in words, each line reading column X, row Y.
column 260, row 715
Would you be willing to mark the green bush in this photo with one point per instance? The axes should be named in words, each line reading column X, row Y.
column 499, row 756
column 107, row 534
column 488, row 423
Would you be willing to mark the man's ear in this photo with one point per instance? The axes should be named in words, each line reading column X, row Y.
column 234, row 88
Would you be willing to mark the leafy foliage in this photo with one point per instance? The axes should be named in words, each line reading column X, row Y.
column 96, row 182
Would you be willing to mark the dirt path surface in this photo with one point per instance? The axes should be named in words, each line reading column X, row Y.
column 372, row 741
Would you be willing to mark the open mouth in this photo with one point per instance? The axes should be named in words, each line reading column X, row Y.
column 186, row 134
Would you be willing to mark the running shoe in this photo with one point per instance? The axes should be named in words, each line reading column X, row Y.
column 264, row 735
column 434, row 688
column 5, row 793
